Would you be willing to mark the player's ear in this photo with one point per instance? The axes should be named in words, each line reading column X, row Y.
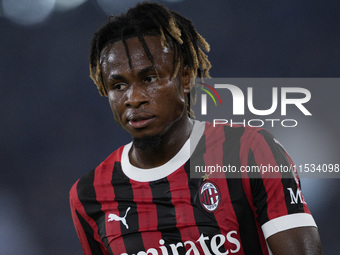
column 186, row 79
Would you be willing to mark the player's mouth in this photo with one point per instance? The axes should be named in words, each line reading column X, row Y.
column 140, row 120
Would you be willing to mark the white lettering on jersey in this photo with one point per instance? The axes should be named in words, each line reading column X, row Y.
column 114, row 217
column 294, row 198
column 216, row 242
column 233, row 240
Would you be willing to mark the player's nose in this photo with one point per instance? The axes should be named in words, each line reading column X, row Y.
column 136, row 95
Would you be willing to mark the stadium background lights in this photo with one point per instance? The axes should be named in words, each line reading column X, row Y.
column 31, row 12
column 120, row 6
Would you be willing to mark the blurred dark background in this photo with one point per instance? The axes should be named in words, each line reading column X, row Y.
column 55, row 127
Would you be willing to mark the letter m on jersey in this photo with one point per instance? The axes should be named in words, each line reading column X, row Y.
column 295, row 197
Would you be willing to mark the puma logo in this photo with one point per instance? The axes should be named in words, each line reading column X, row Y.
column 114, row 217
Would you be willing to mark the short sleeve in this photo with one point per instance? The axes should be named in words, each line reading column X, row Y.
column 275, row 186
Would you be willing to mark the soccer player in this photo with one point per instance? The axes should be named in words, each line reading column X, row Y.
column 141, row 199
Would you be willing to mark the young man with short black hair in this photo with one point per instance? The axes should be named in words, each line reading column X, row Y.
column 141, row 199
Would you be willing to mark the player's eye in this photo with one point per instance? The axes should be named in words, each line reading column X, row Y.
column 150, row 78
column 119, row 86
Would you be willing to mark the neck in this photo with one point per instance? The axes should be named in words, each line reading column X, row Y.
column 149, row 152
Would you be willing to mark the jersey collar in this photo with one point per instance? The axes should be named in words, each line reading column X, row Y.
column 156, row 173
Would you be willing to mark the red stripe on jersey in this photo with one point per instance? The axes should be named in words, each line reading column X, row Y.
column 181, row 199
column 225, row 218
column 105, row 195
column 214, row 141
column 246, row 142
column 77, row 205
column 147, row 214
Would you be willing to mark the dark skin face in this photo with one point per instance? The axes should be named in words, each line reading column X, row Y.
column 142, row 103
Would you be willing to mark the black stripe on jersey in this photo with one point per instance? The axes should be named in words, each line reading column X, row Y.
column 166, row 213
column 124, row 196
column 258, row 191
column 288, row 180
column 87, row 196
column 94, row 245
column 205, row 221
column 245, row 216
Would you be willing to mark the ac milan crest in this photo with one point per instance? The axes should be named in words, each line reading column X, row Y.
column 210, row 196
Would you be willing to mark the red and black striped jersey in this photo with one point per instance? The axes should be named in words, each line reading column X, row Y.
column 118, row 208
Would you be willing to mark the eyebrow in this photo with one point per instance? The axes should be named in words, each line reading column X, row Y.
column 145, row 70
column 116, row 77
column 141, row 73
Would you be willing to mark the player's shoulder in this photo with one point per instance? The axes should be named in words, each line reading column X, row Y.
column 82, row 184
column 258, row 132
column 247, row 136
column 86, row 181
column 109, row 162
column 260, row 137
column 237, row 130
